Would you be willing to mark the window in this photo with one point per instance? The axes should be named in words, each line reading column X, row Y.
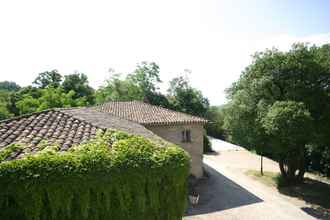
column 186, row 136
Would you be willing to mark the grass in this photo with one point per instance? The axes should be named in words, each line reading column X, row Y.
column 314, row 192
column 269, row 178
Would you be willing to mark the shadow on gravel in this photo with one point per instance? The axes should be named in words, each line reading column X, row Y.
column 313, row 192
column 218, row 193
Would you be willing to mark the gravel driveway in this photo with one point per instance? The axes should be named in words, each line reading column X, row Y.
column 229, row 194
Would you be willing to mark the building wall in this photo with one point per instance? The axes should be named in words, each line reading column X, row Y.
column 194, row 148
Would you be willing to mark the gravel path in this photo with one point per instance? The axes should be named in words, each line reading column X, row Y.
column 229, row 194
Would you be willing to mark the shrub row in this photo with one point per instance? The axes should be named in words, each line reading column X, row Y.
column 114, row 176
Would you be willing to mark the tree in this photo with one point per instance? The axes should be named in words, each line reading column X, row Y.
column 9, row 86
column 27, row 104
column 78, row 82
column 142, row 85
column 117, row 89
column 185, row 98
column 157, row 98
column 288, row 125
column 300, row 75
column 4, row 111
column 146, row 76
column 48, row 79
column 216, row 121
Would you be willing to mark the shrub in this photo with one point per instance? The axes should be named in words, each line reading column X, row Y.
column 207, row 145
column 114, row 176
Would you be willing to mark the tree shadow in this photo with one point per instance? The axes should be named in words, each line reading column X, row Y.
column 313, row 192
column 218, row 193
column 214, row 153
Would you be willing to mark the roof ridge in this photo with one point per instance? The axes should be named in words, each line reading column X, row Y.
column 146, row 113
column 171, row 110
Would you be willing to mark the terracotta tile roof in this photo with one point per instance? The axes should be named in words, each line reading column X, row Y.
column 63, row 126
column 147, row 114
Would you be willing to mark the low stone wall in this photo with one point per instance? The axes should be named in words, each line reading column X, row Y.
column 173, row 134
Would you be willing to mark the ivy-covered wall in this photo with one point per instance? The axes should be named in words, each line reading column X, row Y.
column 114, row 176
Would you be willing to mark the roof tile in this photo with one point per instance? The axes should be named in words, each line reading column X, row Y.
column 147, row 114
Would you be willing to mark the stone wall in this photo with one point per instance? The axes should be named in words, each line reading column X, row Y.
column 194, row 148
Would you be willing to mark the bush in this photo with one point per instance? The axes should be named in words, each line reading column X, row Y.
column 281, row 182
column 114, row 176
column 207, row 145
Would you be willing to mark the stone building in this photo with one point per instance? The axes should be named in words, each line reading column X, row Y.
column 179, row 128
column 74, row 125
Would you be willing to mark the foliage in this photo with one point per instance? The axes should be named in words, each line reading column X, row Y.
column 207, row 145
column 146, row 76
column 300, row 75
column 159, row 99
column 49, row 93
column 49, row 98
column 215, row 116
column 117, row 89
column 4, row 113
column 185, row 98
column 4, row 102
column 78, row 83
column 132, row 179
column 48, row 79
column 142, row 84
column 288, row 125
column 9, row 86
column 6, row 152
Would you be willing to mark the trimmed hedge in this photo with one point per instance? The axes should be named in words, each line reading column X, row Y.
column 114, row 176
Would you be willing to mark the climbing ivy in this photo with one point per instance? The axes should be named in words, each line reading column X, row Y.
column 114, row 176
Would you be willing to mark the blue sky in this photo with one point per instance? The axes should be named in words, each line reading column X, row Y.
column 294, row 17
column 213, row 38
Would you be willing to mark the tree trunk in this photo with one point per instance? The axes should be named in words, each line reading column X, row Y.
column 293, row 168
column 261, row 166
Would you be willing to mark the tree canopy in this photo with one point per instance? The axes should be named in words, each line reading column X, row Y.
column 51, row 89
column 9, row 86
column 187, row 99
column 277, row 82
column 48, row 79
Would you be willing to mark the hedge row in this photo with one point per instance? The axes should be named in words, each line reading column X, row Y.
column 114, row 176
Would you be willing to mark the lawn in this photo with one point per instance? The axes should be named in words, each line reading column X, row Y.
column 314, row 192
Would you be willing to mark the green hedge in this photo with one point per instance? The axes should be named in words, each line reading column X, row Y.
column 114, row 176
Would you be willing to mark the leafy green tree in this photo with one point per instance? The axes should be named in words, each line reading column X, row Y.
column 78, row 82
column 146, row 76
column 117, row 89
column 288, row 125
column 27, row 104
column 185, row 98
column 9, row 86
column 216, row 122
column 157, row 98
column 4, row 111
column 142, row 85
column 24, row 92
column 49, row 98
column 48, row 79
column 301, row 75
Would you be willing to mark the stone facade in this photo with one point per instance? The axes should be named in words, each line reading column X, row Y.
column 173, row 133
